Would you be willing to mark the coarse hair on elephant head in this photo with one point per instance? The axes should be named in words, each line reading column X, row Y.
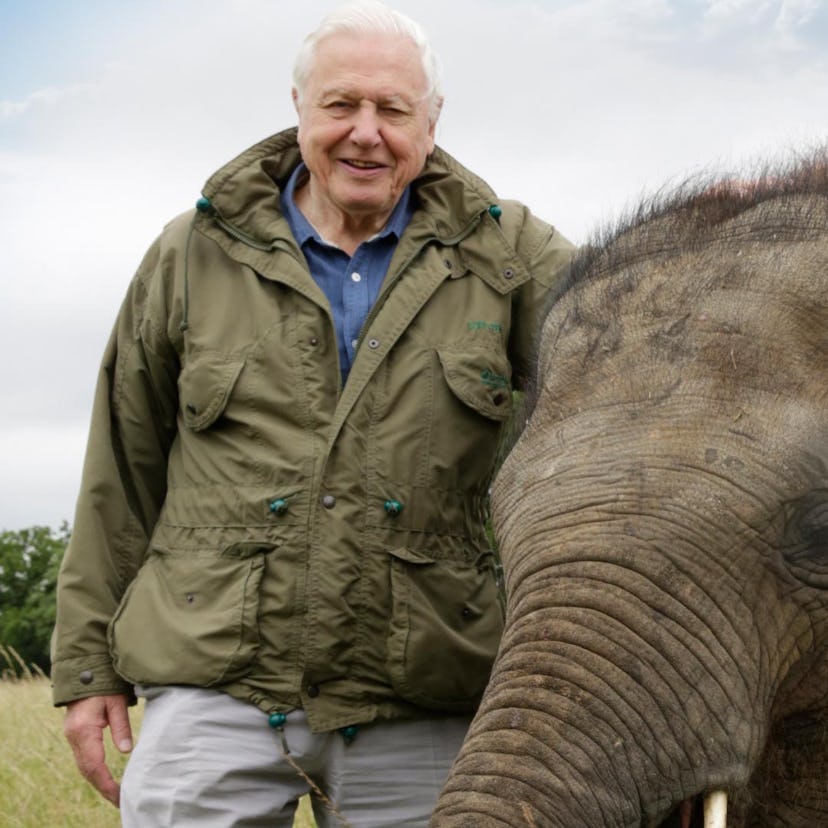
column 663, row 526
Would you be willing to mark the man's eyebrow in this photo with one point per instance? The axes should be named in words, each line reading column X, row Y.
column 334, row 91
column 351, row 95
column 397, row 99
column 326, row 95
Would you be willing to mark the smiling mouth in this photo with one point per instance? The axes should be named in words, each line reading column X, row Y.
column 363, row 165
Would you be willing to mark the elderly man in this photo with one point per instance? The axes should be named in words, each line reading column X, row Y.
column 279, row 542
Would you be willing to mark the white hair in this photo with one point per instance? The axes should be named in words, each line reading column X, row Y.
column 368, row 17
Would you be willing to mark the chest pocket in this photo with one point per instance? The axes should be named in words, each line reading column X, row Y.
column 204, row 388
column 480, row 379
column 471, row 399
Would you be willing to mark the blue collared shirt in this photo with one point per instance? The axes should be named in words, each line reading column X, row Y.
column 350, row 283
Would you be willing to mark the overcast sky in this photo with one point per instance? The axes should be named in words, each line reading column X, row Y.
column 113, row 114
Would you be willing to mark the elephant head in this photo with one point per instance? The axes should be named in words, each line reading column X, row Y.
column 663, row 526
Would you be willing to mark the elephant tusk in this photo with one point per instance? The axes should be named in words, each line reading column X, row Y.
column 715, row 810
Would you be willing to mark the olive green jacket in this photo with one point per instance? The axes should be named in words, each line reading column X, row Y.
column 247, row 523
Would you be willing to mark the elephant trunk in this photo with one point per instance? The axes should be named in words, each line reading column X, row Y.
column 612, row 665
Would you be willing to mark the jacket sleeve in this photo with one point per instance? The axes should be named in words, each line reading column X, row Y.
column 547, row 255
column 122, row 488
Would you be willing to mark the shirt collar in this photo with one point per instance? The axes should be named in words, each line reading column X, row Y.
column 303, row 230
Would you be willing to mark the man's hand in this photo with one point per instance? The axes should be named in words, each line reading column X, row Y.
column 86, row 720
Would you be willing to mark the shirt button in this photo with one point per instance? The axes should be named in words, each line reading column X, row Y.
column 355, row 277
column 354, row 343
column 329, row 501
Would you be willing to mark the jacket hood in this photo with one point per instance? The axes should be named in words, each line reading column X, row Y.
column 244, row 193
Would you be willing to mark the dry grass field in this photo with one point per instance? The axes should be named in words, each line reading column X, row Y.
column 39, row 785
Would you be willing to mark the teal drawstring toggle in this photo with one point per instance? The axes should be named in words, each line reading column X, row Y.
column 393, row 507
column 276, row 719
column 349, row 733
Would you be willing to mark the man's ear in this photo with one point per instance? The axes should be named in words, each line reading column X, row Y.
column 294, row 94
column 432, row 123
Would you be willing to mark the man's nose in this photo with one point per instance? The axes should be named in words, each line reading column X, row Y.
column 366, row 127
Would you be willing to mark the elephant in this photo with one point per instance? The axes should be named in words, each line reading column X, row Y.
column 662, row 521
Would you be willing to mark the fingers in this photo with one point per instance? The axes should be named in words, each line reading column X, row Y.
column 84, row 725
column 119, row 726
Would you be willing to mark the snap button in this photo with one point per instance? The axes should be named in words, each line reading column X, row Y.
column 393, row 508
column 373, row 343
column 329, row 501
column 314, row 341
column 313, row 691
column 190, row 597
column 508, row 273
column 86, row 677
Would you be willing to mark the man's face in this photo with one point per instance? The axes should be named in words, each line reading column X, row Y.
column 364, row 127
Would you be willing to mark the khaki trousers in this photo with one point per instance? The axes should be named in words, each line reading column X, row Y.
column 205, row 759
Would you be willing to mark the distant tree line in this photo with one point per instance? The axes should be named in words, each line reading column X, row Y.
column 29, row 562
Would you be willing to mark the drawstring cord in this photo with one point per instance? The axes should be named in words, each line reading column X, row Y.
column 277, row 722
column 184, row 325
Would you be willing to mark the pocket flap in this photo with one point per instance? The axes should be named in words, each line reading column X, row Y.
column 411, row 556
column 204, row 388
column 480, row 379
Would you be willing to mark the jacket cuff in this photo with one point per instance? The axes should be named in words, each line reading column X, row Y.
column 90, row 675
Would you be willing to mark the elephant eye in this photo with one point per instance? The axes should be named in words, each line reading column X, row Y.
column 805, row 543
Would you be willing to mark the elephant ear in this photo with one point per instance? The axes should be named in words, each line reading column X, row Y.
column 805, row 538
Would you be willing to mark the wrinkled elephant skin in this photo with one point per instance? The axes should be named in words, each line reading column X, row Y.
column 663, row 524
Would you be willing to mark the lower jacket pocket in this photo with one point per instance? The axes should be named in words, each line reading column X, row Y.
column 190, row 618
column 445, row 627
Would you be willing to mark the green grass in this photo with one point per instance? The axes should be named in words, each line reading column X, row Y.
column 39, row 783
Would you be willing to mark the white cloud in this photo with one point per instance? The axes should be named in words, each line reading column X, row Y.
column 777, row 24
column 41, row 474
column 40, row 98
column 792, row 17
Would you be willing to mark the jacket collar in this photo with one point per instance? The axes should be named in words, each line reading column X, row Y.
column 245, row 192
